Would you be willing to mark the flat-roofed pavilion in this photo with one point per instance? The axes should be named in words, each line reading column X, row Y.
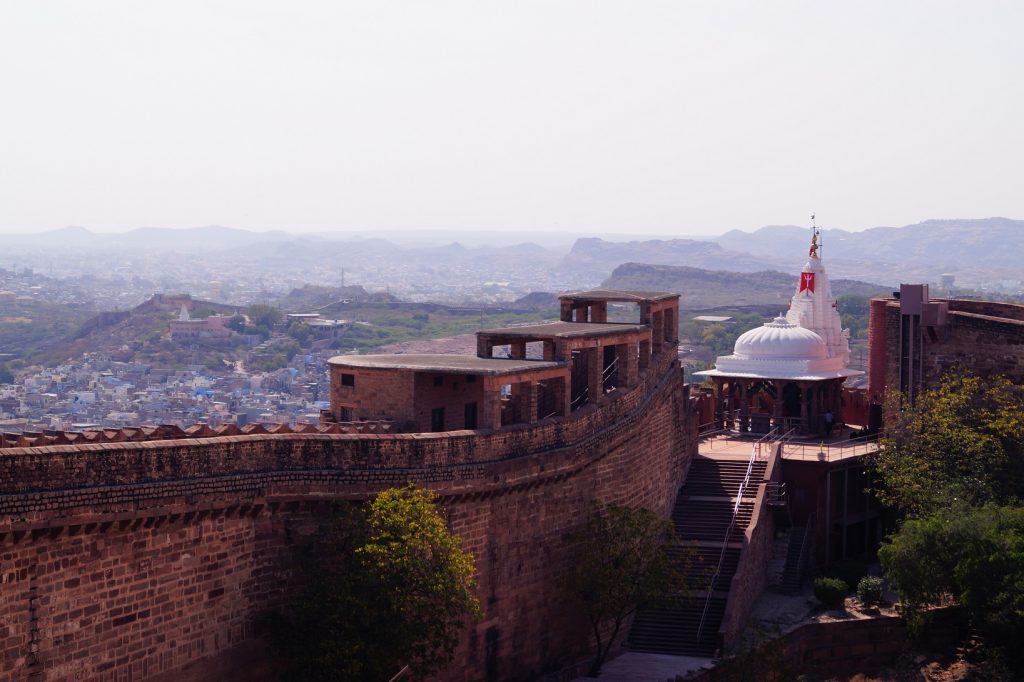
column 422, row 393
column 603, row 356
column 542, row 370
column 658, row 309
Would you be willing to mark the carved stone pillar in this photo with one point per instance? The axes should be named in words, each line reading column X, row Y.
column 484, row 347
column 629, row 359
column 744, row 407
column 531, row 396
column 777, row 420
column 490, row 417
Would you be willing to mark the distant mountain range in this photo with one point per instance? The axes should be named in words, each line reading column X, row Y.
column 970, row 249
column 700, row 289
column 977, row 251
column 598, row 256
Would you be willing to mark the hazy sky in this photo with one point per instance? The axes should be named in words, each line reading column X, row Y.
column 654, row 117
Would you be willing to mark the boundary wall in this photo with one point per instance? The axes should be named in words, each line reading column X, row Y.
column 157, row 559
column 984, row 336
column 843, row 646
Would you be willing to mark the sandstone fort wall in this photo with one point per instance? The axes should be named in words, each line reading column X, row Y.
column 983, row 336
column 156, row 559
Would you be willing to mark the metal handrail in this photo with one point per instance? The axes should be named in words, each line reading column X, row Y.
column 775, row 492
column 609, row 369
column 826, row 452
column 755, row 452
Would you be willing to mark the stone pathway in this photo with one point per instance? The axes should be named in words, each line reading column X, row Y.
column 637, row 667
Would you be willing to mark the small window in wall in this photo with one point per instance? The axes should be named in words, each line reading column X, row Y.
column 470, row 413
column 348, row 379
column 438, row 380
column 437, row 419
column 470, row 378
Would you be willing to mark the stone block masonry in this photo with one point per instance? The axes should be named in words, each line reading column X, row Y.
column 150, row 560
column 983, row 337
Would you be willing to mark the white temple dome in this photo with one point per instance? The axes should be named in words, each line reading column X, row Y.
column 808, row 344
column 780, row 340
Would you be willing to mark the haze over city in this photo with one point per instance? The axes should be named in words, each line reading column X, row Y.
column 655, row 119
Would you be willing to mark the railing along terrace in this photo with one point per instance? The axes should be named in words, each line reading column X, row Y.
column 829, row 452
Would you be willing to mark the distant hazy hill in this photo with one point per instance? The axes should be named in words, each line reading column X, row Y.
column 592, row 255
column 312, row 297
column 537, row 299
column 212, row 237
column 712, row 288
column 30, row 327
column 944, row 244
column 141, row 329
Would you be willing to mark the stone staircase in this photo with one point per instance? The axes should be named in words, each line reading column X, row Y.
column 701, row 515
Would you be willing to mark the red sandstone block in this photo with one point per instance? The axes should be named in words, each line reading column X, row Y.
column 862, row 649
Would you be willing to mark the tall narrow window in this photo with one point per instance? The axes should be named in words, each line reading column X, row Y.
column 470, row 412
column 437, row 419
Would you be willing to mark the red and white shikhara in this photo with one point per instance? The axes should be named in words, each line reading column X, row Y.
column 808, row 343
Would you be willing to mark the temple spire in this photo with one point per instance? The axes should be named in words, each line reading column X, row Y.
column 815, row 233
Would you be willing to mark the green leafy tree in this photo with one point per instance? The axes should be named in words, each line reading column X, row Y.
column 716, row 337
column 6, row 375
column 387, row 587
column 426, row 576
column 975, row 556
column 621, row 565
column 962, row 441
column 264, row 315
column 288, row 348
column 301, row 332
column 854, row 311
column 952, row 463
column 236, row 323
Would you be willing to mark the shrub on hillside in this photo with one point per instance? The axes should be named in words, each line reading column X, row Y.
column 869, row 590
column 831, row 592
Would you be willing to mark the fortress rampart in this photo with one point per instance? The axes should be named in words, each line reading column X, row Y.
column 156, row 559
column 912, row 345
